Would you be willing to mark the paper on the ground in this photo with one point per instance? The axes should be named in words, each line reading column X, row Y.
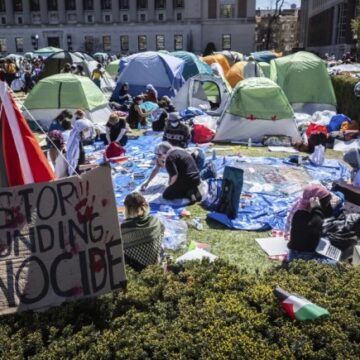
column 273, row 245
column 340, row 145
column 197, row 254
column 287, row 149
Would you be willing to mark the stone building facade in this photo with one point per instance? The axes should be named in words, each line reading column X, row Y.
column 326, row 26
column 127, row 26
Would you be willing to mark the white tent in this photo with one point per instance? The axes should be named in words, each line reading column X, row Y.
column 206, row 91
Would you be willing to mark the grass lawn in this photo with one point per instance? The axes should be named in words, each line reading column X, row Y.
column 238, row 247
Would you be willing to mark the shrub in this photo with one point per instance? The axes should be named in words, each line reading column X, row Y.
column 201, row 311
column 347, row 102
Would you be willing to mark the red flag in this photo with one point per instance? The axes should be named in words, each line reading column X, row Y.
column 24, row 160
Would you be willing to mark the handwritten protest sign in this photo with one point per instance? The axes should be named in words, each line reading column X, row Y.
column 59, row 241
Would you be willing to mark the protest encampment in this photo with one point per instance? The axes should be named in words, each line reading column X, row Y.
column 179, row 180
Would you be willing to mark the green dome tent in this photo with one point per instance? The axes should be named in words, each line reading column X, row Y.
column 265, row 67
column 113, row 68
column 304, row 78
column 257, row 107
column 65, row 91
column 193, row 65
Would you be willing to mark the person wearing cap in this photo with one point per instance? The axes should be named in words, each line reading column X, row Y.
column 151, row 94
column 176, row 132
column 136, row 115
column 184, row 175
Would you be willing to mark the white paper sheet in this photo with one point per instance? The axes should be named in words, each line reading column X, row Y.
column 287, row 149
column 273, row 246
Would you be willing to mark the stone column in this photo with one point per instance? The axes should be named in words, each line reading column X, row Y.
column 151, row 10
column 26, row 12
column 79, row 11
column 61, row 12
column 169, row 10
column 9, row 12
column 133, row 11
column 44, row 12
column 98, row 11
column 115, row 10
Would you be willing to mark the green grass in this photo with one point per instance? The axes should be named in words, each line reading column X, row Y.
column 236, row 246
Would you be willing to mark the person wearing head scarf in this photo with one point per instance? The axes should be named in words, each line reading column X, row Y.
column 151, row 94
column 124, row 95
column 75, row 150
column 305, row 222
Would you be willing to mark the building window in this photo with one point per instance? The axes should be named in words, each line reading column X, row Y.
column 178, row 42
column 89, row 44
column 2, row 6
column 90, row 18
column 18, row 5
column 107, row 18
column 142, row 43
column 160, row 4
column 178, row 16
column 35, row 5
column 141, row 4
column 106, row 4
column 160, row 42
column 178, row 4
column 19, row 20
column 52, row 5
column 161, row 17
column 212, row 6
column 107, row 43
column 3, row 20
column 125, row 18
column 70, row 5
column 19, row 44
column 88, row 5
column 142, row 17
column 227, row 11
column 3, row 46
column 124, row 4
column 124, row 43
column 226, row 42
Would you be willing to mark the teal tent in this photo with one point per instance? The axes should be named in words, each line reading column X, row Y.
column 193, row 65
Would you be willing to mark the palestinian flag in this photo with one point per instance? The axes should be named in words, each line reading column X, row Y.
column 21, row 158
column 297, row 307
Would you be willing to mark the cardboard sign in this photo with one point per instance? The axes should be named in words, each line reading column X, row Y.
column 59, row 241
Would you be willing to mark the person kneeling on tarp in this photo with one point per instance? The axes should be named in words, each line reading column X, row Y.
column 305, row 221
column 142, row 233
column 184, row 175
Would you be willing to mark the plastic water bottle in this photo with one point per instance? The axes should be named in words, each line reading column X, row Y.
column 249, row 143
column 214, row 154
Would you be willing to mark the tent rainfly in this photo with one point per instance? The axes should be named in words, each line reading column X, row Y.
column 257, row 107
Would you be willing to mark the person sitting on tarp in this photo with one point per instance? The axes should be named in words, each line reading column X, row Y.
column 83, row 129
column 184, row 175
column 124, row 96
column 305, row 222
column 352, row 157
column 116, row 130
column 151, row 94
column 142, row 234
column 160, row 116
column 176, row 132
column 136, row 115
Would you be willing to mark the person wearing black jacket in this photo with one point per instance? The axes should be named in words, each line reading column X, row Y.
column 306, row 220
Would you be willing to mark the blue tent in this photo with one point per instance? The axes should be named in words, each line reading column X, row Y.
column 163, row 71
column 264, row 56
column 193, row 65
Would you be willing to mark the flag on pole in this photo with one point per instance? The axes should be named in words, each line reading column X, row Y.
column 21, row 156
column 298, row 307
